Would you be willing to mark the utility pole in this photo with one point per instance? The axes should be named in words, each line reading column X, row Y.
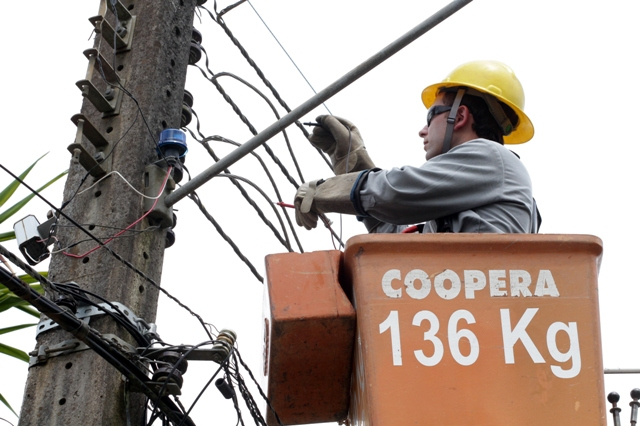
column 146, row 44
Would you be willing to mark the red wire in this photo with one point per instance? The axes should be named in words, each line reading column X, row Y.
column 80, row 256
column 281, row 204
column 410, row 229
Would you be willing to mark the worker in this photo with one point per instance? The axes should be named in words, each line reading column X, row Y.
column 470, row 181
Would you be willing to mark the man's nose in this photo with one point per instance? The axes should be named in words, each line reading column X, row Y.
column 423, row 132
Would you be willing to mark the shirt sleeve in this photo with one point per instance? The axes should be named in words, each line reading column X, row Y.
column 470, row 175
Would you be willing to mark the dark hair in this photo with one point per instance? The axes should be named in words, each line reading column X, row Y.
column 484, row 124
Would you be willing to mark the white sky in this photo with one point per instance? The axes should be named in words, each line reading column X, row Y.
column 575, row 59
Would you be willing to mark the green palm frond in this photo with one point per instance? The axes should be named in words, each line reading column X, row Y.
column 6, row 236
column 4, row 401
column 20, row 204
column 9, row 190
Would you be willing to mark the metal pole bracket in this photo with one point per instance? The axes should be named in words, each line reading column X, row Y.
column 162, row 214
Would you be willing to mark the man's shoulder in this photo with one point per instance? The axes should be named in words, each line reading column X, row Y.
column 485, row 148
column 480, row 143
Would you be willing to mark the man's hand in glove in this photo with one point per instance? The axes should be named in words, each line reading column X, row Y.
column 324, row 196
column 303, row 203
column 342, row 142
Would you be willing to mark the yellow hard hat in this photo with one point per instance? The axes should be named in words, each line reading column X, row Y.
column 493, row 78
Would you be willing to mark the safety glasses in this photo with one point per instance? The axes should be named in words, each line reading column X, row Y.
column 436, row 110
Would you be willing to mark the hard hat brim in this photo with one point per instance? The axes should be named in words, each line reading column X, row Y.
column 521, row 134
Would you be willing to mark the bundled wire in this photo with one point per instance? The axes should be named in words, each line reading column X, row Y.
column 113, row 253
column 164, row 184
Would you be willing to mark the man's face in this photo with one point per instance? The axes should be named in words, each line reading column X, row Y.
column 432, row 134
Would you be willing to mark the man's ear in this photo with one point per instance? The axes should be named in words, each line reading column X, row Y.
column 463, row 118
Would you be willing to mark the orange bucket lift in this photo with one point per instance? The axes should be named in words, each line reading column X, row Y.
column 451, row 329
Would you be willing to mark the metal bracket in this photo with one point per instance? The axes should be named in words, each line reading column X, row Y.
column 86, row 312
column 82, row 156
column 43, row 353
column 109, row 102
column 97, row 164
column 123, row 35
column 154, row 175
column 105, row 66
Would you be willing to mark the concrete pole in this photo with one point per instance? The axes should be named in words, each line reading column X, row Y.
column 81, row 388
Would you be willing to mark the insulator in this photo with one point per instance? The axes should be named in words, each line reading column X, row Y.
column 195, row 53
column 186, row 116
column 163, row 374
column 187, row 98
column 172, row 357
column 170, row 238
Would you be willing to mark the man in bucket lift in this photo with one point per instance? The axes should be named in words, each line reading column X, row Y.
column 470, row 181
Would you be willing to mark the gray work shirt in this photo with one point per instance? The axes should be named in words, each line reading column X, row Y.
column 480, row 185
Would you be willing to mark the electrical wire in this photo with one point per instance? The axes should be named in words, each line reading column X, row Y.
column 133, row 231
column 246, row 121
column 80, row 256
column 288, row 56
column 204, row 142
column 113, row 253
column 275, row 112
column 46, row 284
column 284, row 241
column 206, row 386
column 218, row 20
column 194, row 197
column 121, row 318
column 271, row 204
column 115, row 172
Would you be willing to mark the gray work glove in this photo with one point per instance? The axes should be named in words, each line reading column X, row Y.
column 342, row 142
column 319, row 197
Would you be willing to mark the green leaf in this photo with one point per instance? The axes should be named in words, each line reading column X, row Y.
column 10, row 301
column 30, row 280
column 6, row 236
column 14, row 328
column 16, row 353
column 4, row 401
column 20, row 204
column 29, row 310
column 9, row 190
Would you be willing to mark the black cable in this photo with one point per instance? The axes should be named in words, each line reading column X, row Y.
column 234, row 398
column 286, row 241
column 259, row 389
column 136, row 233
column 246, row 196
column 262, row 76
column 46, row 284
column 275, row 112
column 204, row 142
column 120, row 319
column 113, row 253
column 246, row 121
column 89, row 336
column 175, row 367
column 206, row 386
column 194, row 197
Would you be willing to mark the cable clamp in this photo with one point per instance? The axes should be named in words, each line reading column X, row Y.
column 42, row 354
column 85, row 313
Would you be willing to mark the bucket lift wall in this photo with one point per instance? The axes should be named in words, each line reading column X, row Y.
column 451, row 329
